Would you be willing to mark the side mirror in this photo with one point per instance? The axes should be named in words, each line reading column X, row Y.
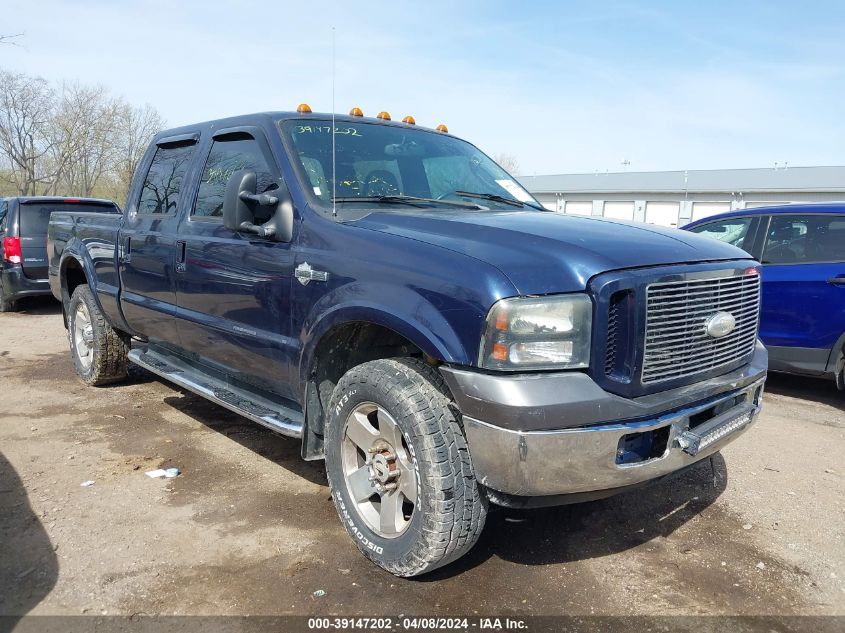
column 241, row 200
column 236, row 212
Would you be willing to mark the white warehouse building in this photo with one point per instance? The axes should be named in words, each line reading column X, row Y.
column 673, row 198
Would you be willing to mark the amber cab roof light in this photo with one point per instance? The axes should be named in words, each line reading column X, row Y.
column 383, row 115
column 442, row 128
column 356, row 112
column 409, row 120
column 303, row 108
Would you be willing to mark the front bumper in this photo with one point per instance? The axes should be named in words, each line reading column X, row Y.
column 693, row 422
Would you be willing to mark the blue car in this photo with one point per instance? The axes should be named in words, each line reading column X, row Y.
column 802, row 249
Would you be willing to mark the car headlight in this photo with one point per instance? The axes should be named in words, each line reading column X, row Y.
column 538, row 333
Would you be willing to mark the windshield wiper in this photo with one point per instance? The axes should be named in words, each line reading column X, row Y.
column 492, row 197
column 415, row 201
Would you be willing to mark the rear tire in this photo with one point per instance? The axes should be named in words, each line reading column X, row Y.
column 428, row 510
column 840, row 371
column 99, row 352
column 6, row 303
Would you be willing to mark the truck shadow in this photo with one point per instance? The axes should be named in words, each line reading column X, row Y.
column 282, row 451
column 29, row 568
column 40, row 306
column 805, row 388
column 525, row 537
column 595, row 529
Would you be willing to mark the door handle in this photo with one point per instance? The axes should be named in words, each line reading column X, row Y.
column 837, row 281
column 181, row 247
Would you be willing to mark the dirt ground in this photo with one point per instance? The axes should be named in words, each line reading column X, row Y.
column 248, row 528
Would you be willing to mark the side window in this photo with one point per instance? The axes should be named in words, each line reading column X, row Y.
column 4, row 210
column 160, row 192
column 730, row 230
column 805, row 240
column 225, row 158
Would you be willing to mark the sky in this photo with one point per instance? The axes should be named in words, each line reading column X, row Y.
column 564, row 87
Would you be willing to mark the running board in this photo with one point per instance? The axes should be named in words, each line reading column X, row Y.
column 273, row 415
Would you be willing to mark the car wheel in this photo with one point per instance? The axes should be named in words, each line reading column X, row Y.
column 99, row 352
column 840, row 373
column 399, row 468
column 6, row 304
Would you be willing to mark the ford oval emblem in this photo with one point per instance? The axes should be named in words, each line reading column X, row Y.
column 720, row 324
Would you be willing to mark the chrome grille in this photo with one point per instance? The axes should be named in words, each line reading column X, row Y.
column 677, row 343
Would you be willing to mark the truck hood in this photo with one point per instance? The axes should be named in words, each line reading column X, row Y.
column 543, row 253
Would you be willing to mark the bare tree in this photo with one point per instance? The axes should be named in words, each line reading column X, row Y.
column 508, row 162
column 26, row 113
column 86, row 136
column 76, row 141
column 10, row 39
column 136, row 126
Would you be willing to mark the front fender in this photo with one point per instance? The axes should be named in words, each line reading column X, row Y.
column 408, row 313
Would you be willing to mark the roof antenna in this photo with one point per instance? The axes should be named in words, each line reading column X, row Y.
column 334, row 169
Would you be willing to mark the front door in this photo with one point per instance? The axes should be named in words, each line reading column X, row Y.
column 804, row 281
column 147, row 248
column 233, row 289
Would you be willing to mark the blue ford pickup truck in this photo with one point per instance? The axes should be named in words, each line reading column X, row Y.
column 393, row 298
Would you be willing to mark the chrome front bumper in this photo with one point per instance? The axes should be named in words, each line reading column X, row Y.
column 592, row 458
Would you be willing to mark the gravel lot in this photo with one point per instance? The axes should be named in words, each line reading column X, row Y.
column 249, row 528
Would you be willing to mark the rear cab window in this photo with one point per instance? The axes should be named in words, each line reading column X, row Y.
column 808, row 239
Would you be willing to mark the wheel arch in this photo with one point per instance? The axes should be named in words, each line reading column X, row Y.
column 350, row 337
column 73, row 272
column 836, row 360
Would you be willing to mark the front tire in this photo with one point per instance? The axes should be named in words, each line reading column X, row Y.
column 399, row 467
column 99, row 352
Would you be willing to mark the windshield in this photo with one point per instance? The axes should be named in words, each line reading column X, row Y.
column 383, row 164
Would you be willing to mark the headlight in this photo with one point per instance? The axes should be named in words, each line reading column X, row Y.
column 538, row 333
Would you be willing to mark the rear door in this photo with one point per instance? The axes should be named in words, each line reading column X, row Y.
column 147, row 248
column 804, row 281
column 233, row 289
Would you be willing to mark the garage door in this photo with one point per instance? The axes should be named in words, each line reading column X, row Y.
column 662, row 213
column 706, row 209
column 619, row 210
column 579, row 207
column 757, row 205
